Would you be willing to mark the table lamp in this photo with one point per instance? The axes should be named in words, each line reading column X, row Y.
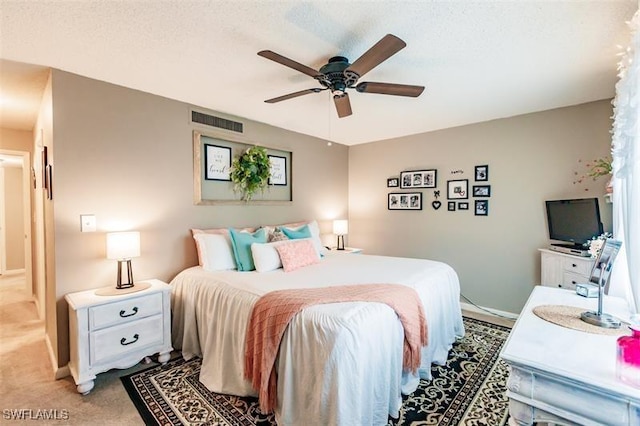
column 122, row 246
column 340, row 228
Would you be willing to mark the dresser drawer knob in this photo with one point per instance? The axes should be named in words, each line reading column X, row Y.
column 124, row 342
column 123, row 313
column 574, row 265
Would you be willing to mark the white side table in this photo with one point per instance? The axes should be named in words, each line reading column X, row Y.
column 108, row 332
column 566, row 376
column 347, row 250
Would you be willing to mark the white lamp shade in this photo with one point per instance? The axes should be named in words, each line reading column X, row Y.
column 123, row 245
column 341, row 227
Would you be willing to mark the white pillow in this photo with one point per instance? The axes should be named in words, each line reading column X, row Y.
column 266, row 257
column 215, row 252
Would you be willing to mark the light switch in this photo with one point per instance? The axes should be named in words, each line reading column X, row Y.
column 87, row 223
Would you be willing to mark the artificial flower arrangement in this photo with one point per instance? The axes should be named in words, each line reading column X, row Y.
column 596, row 243
column 595, row 169
column 250, row 172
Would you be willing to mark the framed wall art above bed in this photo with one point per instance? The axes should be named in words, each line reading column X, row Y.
column 212, row 159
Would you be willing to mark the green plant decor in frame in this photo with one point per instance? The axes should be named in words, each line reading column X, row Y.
column 250, row 172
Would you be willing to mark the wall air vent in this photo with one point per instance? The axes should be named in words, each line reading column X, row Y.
column 210, row 120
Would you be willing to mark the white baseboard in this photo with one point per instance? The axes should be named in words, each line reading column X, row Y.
column 483, row 310
column 58, row 372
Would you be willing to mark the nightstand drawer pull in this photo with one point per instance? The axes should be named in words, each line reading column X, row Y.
column 124, row 342
column 123, row 315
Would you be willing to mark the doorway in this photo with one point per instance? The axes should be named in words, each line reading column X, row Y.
column 15, row 215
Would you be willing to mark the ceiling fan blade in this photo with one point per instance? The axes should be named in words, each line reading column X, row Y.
column 380, row 52
column 293, row 95
column 343, row 105
column 288, row 63
column 390, row 89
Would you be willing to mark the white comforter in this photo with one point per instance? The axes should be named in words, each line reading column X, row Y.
column 339, row 364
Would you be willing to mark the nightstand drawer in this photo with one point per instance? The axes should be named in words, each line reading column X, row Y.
column 120, row 340
column 570, row 279
column 124, row 311
column 578, row 266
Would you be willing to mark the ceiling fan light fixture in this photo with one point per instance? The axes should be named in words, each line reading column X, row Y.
column 338, row 75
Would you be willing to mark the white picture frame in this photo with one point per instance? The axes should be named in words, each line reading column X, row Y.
column 278, row 174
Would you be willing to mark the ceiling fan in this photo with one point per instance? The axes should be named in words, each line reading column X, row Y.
column 338, row 75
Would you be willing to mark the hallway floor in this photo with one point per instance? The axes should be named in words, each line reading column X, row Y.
column 30, row 392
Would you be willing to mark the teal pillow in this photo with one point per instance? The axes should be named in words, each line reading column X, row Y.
column 303, row 232
column 241, row 243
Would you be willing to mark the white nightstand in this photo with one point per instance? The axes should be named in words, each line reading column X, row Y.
column 347, row 250
column 108, row 332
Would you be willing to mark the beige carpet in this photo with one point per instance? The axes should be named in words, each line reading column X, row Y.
column 26, row 376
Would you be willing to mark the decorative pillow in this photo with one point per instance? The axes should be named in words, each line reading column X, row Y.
column 315, row 233
column 241, row 243
column 296, row 234
column 297, row 254
column 277, row 235
column 215, row 252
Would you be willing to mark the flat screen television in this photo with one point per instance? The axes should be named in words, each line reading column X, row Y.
column 573, row 222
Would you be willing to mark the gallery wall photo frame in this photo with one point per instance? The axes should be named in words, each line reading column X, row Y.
column 217, row 161
column 482, row 191
column 481, row 173
column 458, row 189
column 463, row 205
column 481, row 207
column 404, row 201
column 418, row 179
column 278, row 170
column 393, row 183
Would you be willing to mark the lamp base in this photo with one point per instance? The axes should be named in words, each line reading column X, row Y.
column 340, row 242
column 603, row 320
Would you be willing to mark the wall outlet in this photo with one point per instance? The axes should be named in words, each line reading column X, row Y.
column 87, row 223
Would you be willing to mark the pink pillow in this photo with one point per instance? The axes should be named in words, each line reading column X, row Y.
column 297, row 254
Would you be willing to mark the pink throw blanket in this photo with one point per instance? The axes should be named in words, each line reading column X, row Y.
column 273, row 311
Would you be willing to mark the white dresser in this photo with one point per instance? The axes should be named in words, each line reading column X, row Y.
column 108, row 332
column 564, row 270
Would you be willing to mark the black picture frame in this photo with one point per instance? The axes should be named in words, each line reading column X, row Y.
column 481, row 208
column 419, row 179
column 458, row 189
column 451, row 206
column 393, row 182
column 482, row 173
column 278, row 174
column 463, row 205
column 482, row 191
column 217, row 161
column 404, row 201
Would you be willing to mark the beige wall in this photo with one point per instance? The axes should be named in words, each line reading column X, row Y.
column 14, row 218
column 127, row 157
column 531, row 158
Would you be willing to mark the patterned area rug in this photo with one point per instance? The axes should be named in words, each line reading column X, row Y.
column 468, row 390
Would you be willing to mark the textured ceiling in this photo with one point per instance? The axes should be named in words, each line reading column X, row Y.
column 478, row 60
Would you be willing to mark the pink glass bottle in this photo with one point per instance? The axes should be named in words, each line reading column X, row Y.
column 628, row 361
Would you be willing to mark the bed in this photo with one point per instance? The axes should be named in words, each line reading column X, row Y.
column 338, row 363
